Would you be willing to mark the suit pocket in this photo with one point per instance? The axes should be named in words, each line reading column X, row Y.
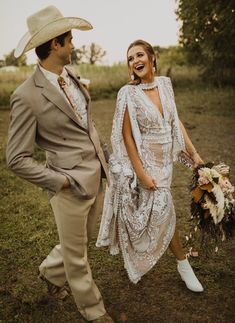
column 65, row 163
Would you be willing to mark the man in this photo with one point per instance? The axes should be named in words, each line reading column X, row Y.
column 52, row 109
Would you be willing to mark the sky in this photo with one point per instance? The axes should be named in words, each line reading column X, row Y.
column 116, row 23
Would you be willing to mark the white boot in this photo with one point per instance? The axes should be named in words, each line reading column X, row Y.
column 187, row 274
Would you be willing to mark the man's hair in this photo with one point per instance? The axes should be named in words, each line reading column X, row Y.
column 43, row 51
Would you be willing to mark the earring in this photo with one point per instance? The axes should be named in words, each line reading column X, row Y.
column 154, row 69
column 132, row 77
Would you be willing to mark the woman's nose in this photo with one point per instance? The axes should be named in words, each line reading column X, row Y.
column 135, row 60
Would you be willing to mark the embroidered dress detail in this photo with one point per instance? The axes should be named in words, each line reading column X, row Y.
column 137, row 221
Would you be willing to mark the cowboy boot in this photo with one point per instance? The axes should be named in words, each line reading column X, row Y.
column 187, row 274
column 57, row 292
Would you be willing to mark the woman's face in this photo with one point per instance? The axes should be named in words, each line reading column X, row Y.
column 140, row 64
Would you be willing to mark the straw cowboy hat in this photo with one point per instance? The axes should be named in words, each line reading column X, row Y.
column 47, row 24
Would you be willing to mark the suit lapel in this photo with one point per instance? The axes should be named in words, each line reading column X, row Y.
column 53, row 95
column 81, row 87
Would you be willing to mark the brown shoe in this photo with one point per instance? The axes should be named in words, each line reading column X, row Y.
column 56, row 292
column 103, row 319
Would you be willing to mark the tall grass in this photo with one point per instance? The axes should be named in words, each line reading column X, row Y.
column 105, row 80
column 10, row 80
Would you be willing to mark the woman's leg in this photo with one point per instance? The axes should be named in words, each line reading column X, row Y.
column 176, row 246
column 185, row 270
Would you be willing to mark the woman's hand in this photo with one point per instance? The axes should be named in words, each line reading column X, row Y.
column 148, row 183
column 197, row 159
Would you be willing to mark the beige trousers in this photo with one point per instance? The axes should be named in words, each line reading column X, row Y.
column 75, row 219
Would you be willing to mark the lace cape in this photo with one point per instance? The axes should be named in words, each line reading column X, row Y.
column 123, row 180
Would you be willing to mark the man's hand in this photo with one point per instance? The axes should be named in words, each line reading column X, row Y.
column 66, row 183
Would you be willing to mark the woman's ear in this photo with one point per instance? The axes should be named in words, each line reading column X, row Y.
column 153, row 59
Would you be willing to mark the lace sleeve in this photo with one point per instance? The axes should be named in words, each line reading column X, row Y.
column 177, row 135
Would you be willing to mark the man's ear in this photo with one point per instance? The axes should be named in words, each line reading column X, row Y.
column 54, row 44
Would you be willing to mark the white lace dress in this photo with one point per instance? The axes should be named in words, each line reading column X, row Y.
column 141, row 222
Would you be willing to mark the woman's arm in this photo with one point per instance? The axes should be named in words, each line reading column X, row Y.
column 191, row 150
column 145, row 180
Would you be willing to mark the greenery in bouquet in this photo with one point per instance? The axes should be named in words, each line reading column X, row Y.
column 212, row 204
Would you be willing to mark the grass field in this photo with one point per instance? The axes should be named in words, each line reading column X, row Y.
column 28, row 232
column 105, row 80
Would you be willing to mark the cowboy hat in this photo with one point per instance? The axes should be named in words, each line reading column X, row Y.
column 47, row 24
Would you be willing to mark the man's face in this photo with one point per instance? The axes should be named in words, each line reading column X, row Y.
column 66, row 50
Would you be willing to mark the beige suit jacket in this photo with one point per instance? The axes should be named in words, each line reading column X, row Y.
column 40, row 114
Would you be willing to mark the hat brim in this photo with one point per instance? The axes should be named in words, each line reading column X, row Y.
column 50, row 31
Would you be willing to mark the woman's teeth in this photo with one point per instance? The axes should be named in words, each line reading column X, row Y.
column 139, row 67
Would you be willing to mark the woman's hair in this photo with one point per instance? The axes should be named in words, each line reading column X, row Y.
column 150, row 52
column 43, row 50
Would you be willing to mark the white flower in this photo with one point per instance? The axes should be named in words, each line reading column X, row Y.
column 216, row 209
column 207, row 175
column 222, row 169
column 226, row 186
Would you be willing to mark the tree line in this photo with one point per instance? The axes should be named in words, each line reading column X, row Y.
column 206, row 39
column 207, row 35
column 90, row 54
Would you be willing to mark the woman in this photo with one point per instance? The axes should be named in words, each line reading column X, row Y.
column 147, row 136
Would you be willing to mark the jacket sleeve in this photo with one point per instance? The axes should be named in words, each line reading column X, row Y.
column 20, row 148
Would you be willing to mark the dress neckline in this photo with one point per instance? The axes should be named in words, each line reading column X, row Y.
column 148, row 86
column 155, row 107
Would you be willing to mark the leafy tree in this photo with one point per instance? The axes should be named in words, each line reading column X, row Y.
column 207, row 33
column 91, row 54
column 169, row 57
column 2, row 62
column 11, row 60
column 95, row 53
column 172, row 55
column 79, row 55
column 74, row 58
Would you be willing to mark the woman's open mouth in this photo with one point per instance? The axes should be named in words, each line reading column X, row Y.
column 139, row 67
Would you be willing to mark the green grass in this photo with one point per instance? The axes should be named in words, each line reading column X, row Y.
column 28, row 232
column 105, row 80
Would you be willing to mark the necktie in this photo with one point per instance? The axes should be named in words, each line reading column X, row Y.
column 65, row 89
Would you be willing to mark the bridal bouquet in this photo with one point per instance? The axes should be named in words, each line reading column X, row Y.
column 213, row 204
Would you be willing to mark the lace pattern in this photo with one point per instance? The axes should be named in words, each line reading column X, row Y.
column 137, row 221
